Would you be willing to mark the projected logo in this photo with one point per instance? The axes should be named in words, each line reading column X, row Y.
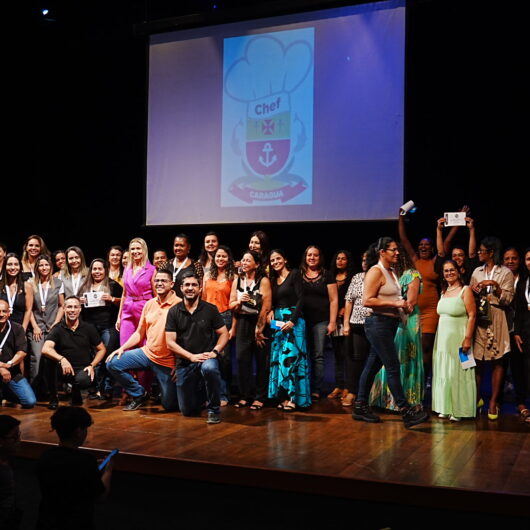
column 268, row 119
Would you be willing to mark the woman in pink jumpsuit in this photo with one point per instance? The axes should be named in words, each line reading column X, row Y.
column 137, row 289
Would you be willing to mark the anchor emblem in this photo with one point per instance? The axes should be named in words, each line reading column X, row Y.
column 269, row 160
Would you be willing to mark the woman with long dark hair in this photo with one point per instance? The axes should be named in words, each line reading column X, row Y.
column 114, row 257
column 493, row 285
column 320, row 310
column 101, row 298
column 250, row 300
column 17, row 292
column 382, row 293
column 454, row 390
column 289, row 367
column 59, row 261
column 217, row 290
column 206, row 257
column 342, row 270
column 260, row 243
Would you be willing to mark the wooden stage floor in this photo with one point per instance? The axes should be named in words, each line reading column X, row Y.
column 472, row 465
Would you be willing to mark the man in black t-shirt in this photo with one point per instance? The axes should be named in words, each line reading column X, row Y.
column 71, row 343
column 12, row 352
column 196, row 332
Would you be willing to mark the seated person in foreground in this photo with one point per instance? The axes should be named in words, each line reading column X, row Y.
column 69, row 478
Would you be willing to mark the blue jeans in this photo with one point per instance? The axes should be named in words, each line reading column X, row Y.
column 137, row 360
column 316, row 335
column 380, row 332
column 190, row 390
column 20, row 390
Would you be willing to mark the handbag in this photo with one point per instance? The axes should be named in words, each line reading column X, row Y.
column 483, row 312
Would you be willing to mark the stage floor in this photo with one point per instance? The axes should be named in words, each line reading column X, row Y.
column 472, row 465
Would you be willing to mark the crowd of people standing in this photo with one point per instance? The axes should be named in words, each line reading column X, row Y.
column 415, row 328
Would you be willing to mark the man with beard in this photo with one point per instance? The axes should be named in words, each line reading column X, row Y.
column 71, row 343
column 196, row 333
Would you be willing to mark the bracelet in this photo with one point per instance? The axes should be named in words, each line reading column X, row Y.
column 59, row 361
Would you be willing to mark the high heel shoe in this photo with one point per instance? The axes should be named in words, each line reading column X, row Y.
column 495, row 416
column 480, row 403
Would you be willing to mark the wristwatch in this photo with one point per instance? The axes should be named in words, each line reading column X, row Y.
column 215, row 351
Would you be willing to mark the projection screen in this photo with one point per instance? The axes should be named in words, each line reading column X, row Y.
column 290, row 118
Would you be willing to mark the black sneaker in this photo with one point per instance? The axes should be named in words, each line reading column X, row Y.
column 213, row 417
column 136, row 403
column 361, row 412
column 413, row 417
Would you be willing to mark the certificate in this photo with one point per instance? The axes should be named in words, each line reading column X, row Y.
column 455, row 218
column 94, row 299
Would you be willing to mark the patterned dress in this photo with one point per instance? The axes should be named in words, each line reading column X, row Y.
column 289, row 368
column 408, row 345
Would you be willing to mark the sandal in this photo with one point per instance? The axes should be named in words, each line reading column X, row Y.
column 257, row 405
column 240, row 404
column 290, row 407
column 347, row 401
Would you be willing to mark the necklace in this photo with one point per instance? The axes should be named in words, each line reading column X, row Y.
column 449, row 289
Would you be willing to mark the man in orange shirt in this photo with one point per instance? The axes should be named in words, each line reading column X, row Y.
column 154, row 354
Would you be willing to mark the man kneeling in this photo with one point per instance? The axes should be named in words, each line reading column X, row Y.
column 195, row 331
column 154, row 354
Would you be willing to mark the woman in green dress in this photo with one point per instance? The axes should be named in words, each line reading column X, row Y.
column 454, row 390
column 408, row 343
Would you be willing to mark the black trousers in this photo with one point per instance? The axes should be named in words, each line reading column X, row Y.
column 246, row 350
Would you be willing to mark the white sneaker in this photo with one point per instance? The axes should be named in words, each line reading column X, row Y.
column 454, row 418
column 443, row 416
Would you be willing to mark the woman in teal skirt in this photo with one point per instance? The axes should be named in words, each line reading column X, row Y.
column 289, row 370
column 408, row 344
column 454, row 390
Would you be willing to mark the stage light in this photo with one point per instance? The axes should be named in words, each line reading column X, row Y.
column 45, row 11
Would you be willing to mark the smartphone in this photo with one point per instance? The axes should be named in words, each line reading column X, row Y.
column 103, row 464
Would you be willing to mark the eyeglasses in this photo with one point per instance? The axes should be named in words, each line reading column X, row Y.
column 392, row 249
column 484, row 251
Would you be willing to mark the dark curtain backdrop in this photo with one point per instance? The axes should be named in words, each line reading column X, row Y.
column 79, row 95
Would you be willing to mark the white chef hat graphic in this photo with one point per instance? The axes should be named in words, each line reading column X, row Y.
column 268, row 67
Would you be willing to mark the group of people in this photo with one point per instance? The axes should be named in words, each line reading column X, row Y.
column 435, row 316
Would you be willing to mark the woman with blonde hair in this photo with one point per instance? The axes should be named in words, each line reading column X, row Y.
column 137, row 288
